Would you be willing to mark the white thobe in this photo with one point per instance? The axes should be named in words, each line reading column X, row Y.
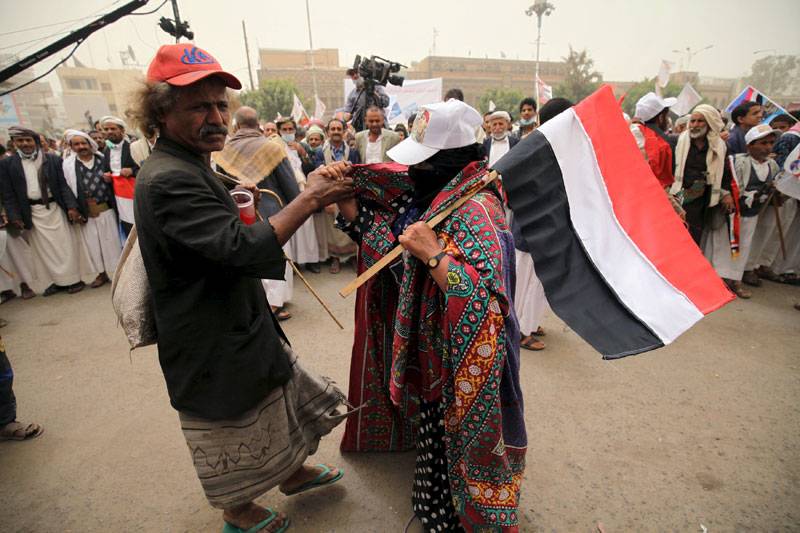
column 498, row 149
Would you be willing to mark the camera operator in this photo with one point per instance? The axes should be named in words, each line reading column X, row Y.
column 359, row 100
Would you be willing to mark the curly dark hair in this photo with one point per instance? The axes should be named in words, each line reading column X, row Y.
column 151, row 101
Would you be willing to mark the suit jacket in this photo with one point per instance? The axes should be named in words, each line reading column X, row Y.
column 487, row 144
column 15, row 187
column 283, row 183
column 389, row 138
column 219, row 345
column 126, row 158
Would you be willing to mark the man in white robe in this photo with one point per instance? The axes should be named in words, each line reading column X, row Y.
column 36, row 198
column 83, row 172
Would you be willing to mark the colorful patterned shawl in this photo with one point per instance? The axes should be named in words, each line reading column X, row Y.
column 459, row 347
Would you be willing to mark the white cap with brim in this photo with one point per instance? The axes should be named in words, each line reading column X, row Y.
column 441, row 126
column 759, row 132
column 651, row 105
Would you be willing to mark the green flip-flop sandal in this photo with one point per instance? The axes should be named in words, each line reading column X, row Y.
column 230, row 528
column 318, row 481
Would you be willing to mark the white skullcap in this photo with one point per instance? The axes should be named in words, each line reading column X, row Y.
column 114, row 120
column 500, row 114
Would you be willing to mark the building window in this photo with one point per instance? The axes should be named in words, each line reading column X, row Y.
column 82, row 84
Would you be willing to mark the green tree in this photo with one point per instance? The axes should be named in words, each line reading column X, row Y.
column 775, row 75
column 581, row 79
column 642, row 88
column 273, row 97
column 504, row 100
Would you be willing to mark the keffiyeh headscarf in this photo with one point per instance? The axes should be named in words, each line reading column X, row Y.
column 19, row 131
column 715, row 159
column 71, row 134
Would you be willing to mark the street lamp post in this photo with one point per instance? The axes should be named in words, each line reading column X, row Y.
column 311, row 52
column 539, row 8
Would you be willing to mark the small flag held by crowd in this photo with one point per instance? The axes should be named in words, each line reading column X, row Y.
column 687, row 99
column 545, row 91
column 299, row 114
column 750, row 94
column 615, row 261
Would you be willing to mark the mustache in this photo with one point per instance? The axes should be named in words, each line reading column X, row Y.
column 210, row 129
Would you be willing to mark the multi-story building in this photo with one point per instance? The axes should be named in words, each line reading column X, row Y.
column 475, row 76
column 33, row 106
column 89, row 93
column 295, row 66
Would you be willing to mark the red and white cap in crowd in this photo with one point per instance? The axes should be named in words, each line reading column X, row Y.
column 184, row 63
column 759, row 132
column 440, row 126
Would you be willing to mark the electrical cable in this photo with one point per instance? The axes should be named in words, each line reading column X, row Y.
column 150, row 12
column 51, row 69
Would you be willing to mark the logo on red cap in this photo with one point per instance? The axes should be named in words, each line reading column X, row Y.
column 196, row 56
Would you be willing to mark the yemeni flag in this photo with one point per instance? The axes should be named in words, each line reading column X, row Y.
column 616, row 262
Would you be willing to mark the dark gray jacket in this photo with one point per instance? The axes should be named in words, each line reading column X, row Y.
column 219, row 346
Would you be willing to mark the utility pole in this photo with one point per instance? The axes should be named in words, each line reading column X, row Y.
column 247, row 53
column 311, row 52
column 539, row 8
column 177, row 20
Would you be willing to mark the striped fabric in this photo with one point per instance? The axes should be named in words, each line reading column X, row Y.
column 240, row 459
column 615, row 260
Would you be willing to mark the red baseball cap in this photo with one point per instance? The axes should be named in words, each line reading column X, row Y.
column 184, row 63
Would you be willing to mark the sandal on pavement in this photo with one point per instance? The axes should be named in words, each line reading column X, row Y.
column 17, row 431
column 281, row 314
column 539, row 332
column 751, row 278
column 76, row 287
column 27, row 293
column 531, row 343
column 6, row 296
column 51, row 290
column 99, row 281
column 318, row 481
column 336, row 266
column 739, row 290
column 767, row 274
column 789, row 278
column 230, row 528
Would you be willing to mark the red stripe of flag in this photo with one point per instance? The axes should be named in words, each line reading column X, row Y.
column 124, row 187
column 642, row 208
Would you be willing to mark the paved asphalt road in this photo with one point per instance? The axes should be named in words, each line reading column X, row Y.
column 706, row 431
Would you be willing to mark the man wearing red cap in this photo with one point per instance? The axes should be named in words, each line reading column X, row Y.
column 250, row 413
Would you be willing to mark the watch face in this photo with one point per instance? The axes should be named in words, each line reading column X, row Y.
column 433, row 262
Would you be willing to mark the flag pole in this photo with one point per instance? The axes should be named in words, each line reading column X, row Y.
column 397, row 250
column 311, row 53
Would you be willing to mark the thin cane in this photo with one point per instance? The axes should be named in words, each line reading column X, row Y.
column 294, row 267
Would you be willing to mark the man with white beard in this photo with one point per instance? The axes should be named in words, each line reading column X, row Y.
column 701, row 168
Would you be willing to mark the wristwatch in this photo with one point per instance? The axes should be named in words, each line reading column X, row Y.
column 433, row 262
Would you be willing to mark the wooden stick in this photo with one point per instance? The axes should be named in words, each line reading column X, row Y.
column 780, row 226
column 397, row 250
column 294, row 267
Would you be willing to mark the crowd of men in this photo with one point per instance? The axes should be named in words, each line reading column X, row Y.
column 230, row 372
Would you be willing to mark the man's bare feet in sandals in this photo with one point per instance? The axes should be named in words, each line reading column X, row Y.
column 281, row 314
column 18, row 431
column 529, row 342
column 310, row 477
column 249, row 515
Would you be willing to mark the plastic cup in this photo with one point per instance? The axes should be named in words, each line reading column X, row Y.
column 247, row 207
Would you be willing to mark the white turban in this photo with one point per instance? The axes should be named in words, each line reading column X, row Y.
column 70, row 134
column 114, row 120
column 500, row 114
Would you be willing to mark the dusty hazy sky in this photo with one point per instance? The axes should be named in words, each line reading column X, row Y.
column 626, row 38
